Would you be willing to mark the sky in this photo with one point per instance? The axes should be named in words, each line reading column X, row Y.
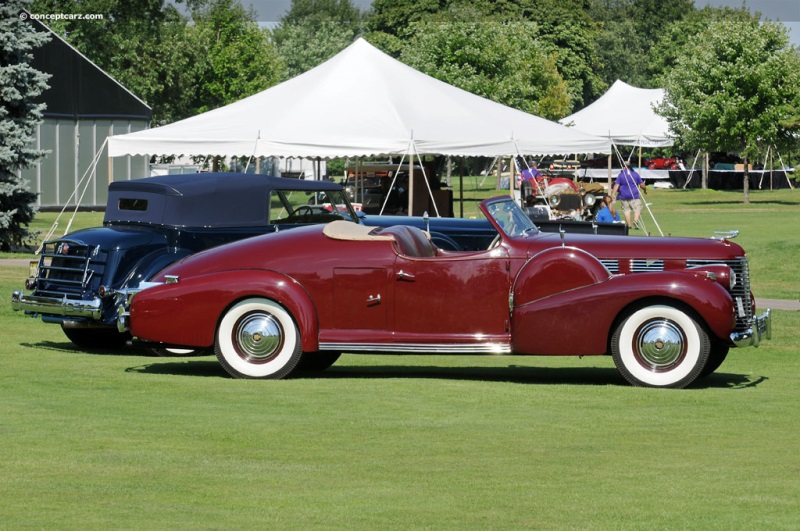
column 787, row 11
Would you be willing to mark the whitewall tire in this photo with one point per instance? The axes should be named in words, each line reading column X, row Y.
column 660, row 346
column 257, row 338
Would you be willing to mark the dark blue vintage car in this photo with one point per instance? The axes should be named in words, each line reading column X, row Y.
column 153, row 222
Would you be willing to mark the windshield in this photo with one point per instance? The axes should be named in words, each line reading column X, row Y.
column 301, row 206
column 510, row 217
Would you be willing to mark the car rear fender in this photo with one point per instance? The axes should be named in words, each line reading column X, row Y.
column 187, row 312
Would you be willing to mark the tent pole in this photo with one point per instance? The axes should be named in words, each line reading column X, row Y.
column 512, row 174
column 610, row 160
column 461, row 187
column 704, row 184
column 771, row 167
column 411, row 179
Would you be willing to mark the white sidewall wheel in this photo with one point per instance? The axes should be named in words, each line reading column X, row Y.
column 257, row 338
column 660, row 346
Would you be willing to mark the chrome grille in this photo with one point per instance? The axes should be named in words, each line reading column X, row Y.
column 67, row 268
column 740, row 292
column 642, row 266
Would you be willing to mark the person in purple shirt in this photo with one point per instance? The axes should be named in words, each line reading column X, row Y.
column 627, row 188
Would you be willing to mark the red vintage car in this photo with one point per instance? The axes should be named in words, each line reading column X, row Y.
column 666, row 309
column 662, row 163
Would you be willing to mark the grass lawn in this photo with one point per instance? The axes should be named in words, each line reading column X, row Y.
column 125, row 440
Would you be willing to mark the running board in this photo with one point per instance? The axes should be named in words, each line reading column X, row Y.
column 419, row 348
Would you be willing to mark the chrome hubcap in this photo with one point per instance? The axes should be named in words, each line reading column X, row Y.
column 258, row 337
column 660, row 345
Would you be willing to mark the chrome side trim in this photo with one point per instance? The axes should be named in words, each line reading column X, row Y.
column 420, row 348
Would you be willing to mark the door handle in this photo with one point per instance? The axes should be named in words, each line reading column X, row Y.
column 402, row 275
column 374, row 299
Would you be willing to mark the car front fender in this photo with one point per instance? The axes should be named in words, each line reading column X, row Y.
column 579, row 321
column 186, row 311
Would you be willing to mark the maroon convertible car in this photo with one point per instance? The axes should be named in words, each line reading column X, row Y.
column 666, row 309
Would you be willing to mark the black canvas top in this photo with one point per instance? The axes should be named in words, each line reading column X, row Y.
column 201, row 199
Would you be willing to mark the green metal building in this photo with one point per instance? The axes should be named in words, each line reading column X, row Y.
column 85, row 105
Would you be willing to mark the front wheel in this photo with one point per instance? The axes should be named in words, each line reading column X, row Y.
column 718, row 353
column 257, row 338
column 660, row 346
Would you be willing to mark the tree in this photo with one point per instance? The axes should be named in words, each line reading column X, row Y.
column 630, row 29
column 499, row 61
column 673, row 37
column 141, row 43
column 19, row 116
column 313, row 31
column 735, row 87
column 179, row 69
column 238, row 59
column 563, row 28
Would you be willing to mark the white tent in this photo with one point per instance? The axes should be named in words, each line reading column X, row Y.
column 360, row 103
column 625, row 115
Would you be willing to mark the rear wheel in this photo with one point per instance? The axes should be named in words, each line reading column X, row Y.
column 96, row 338
column 660, row 346
column 257, row 338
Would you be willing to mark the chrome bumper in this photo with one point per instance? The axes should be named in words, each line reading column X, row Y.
column 761, row 328
column 91, row 309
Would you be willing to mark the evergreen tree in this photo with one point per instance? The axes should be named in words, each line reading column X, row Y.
column 20, row 85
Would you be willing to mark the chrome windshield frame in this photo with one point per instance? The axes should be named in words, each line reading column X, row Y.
column 508, row 217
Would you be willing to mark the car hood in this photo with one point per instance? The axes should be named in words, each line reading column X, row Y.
column 643, row 247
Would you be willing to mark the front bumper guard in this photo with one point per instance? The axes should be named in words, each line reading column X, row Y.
column 760, row 329
column 90, row 309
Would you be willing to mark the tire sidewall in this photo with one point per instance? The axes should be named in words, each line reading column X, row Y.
column 689, row 368
column 281, row 364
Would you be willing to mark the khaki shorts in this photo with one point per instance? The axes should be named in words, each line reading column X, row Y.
column 631, row 205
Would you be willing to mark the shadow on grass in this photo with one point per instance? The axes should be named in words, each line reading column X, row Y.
column 69, row 347
column 194, row 367
column 511, row 374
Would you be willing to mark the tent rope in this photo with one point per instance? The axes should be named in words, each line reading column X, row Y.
column 89, row 171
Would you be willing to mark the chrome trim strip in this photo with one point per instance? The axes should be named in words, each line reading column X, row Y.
column 420, row 348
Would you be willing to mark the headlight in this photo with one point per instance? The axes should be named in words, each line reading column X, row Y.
column 555, row 200
column 589, row 199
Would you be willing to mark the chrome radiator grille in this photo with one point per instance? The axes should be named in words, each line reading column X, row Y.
column 740, row 292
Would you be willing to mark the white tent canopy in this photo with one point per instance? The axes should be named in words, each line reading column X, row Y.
column 361, row 102
column 625, row 115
